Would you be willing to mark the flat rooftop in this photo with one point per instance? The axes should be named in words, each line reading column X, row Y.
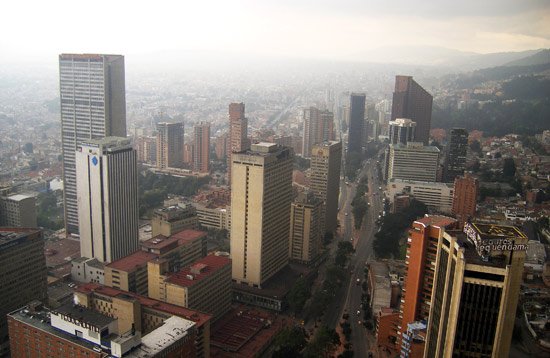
column 40, row 320
column 497, row 231
column 19, row 197
column 437, row 220
column 84, row 315
column 131, row 262
column 200, row 270
column 182, row 238
column 198, row 317
column 244, row 332
column 172, row 330
column 13, row 236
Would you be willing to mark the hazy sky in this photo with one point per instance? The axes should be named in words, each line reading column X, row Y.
column 38, row 29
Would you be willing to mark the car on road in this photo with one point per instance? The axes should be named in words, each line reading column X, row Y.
column 358, row 281
column 346, row 213
column 358, row 312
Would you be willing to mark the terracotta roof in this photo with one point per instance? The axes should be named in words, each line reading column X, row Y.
column 133, row 261
column 200, row 270
column 186, row 236
column 198, row 317
column 435, row 220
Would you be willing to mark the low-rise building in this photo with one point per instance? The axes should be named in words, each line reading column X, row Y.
column 437, row 196
column 85, row 269
column 173, row 219
column 205, row 285
column 18, row 210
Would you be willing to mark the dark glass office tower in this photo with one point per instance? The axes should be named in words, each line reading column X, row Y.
column 356, row 119
column 412, row 101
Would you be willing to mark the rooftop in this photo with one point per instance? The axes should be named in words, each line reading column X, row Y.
column 200, row 270
column 19, row 197
column 436, row 220
column 172, row 330
column 182, row 238
column 41, row 321
column 497, row 231
column 415, row 146
column 133, row 261
column 84, row 315
column 198, row 317
column 13, row 236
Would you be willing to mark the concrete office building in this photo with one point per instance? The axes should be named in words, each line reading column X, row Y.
column 146, row 148
column 220, row 147
column 437, row 196
column 420, row 259
column 318, row 127
column 478, row 273
column 238, row 133
column 261, row 193
column 93, row 105
column 356, row 121
column 23, row 273
column 107, row 198
column 457, row 149
column 170, row 145
column 401, row 130
column 130, row 273
column 413, row 161
column 108, row 328
column 305, row 228
column 173, row 219
column 201, row 146
column 18, row 210
column 412, row 101
column 214, row 217
column 205, row 285
column 145, row 313
column 326, row 159
column 466, row 189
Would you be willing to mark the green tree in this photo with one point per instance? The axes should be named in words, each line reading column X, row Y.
column 298, row 295
column 289, row 342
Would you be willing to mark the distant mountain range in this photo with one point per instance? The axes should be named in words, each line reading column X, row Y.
column 452, row 59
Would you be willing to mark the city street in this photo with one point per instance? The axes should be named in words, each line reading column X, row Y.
column 348, row 297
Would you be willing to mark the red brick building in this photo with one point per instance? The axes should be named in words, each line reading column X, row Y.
column 420, row 259
column 466, row 189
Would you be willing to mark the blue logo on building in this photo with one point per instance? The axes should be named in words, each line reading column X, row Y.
column 94, row 161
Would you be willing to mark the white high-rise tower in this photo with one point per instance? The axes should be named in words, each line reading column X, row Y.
column 108, row 208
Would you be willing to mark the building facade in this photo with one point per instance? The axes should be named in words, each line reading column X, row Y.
column 457, row 149
column 318, row 127
column 93, row 105
column 23, row 272
column 173, row 219
column 261, row 193
column 107, row 198
column 170, row 140
column 205, row 285
column 466, row 189
column 401, row 130
column 412, row 101
column 238, row 133
column 305, row 228
column 413, row 161
column 437, row 196
column 201, row 153
column 18, row 210
column 356, row 121
column 420, row 259
column 478, row 273
column 326, row 160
